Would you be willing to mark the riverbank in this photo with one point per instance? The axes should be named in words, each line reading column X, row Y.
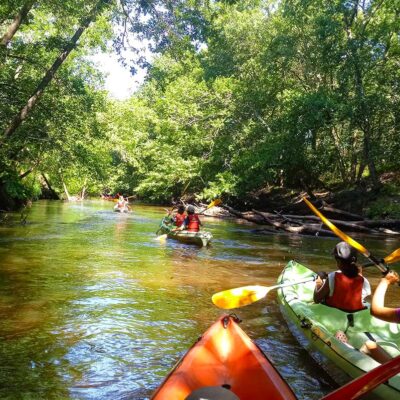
column 356, row 210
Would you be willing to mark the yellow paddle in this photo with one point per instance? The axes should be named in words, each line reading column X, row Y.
column 214, row 203
column 390, row 259
column 383, row 268
column 245, row 295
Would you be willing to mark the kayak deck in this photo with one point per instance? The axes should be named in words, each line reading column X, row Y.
column 316, row 326
column 225, row 356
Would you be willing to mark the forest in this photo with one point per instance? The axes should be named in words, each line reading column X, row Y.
column 241, row 98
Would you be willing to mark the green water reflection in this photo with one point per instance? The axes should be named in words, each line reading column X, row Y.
column 93, row 306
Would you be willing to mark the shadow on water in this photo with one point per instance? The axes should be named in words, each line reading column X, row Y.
column 94, row 306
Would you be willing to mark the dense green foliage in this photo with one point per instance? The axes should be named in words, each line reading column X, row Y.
column 241, row 96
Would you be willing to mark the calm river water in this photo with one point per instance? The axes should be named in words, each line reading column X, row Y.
column 94, row 306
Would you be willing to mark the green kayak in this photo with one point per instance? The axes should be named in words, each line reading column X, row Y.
column 201, row 238
column 318, row 327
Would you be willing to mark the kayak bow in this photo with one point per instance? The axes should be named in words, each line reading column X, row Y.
column 225, row 357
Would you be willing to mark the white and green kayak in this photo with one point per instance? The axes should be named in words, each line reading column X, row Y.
column 201, row 238
column 315, row 326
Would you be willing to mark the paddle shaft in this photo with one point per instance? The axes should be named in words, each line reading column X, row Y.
column 383, row 268
column 367, row 382
column 282, row 285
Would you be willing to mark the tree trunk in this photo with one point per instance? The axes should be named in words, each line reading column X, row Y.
column 22, row 115
column 66, row 191
column 12, row 29
column 53, row 193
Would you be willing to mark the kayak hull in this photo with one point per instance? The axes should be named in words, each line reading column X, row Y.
column 315, row 326
column 224, row 356
column 122, row 210
column 201, row 238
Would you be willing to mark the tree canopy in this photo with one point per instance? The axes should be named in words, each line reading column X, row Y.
column 240, row 96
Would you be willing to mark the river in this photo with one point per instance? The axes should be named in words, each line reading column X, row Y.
column 94, row 306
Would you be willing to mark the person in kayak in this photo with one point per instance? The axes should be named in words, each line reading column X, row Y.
column 122, row 204
column 179, row 217
column 378, row 308
column 345, row 289
column 191, row 222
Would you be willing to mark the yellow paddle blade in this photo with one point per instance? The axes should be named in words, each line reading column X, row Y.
column 161, row 237
column 239, row 297
column 214, row 203
column 392, row 257
column 337, row 231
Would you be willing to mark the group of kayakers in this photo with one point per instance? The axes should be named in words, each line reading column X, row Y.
column 346, row 289
column 185, row 218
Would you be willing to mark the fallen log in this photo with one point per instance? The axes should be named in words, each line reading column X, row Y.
column 354, row 226
column 382, row 223
column 347, row 214
column 247, row 216
column 306, row 229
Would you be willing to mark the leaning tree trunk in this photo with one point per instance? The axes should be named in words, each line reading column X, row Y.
column 14, row 26
column 22, row 115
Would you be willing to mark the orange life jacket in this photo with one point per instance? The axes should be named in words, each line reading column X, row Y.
column 194, row 223
column 347, row 293
column 179, row 219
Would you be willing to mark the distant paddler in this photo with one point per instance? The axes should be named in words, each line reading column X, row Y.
column 122, row 205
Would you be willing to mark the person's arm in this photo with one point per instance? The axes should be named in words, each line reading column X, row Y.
column 321, row 290
column 183, row 226
column 378, row 308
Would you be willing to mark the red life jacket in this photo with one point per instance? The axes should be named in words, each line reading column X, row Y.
column 347, row 293
column 179, row 218
column 194, row 223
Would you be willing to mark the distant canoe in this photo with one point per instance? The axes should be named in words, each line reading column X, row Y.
column 122, row 209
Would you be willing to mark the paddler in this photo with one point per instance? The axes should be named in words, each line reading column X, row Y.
column 346, row 288
column 191, row 222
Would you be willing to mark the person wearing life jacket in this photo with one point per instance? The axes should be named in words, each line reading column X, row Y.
column 345, row 289
column 179, row 217
column 122, row 204
column 191, row 222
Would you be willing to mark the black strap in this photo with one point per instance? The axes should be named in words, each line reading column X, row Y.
column 370, row 337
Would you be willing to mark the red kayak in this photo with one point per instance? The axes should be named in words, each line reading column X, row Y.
column 227, row 363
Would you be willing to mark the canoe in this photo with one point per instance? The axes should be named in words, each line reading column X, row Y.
column 201, row 238
column 122, row 209
column 315, row 326
column 224, row 359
